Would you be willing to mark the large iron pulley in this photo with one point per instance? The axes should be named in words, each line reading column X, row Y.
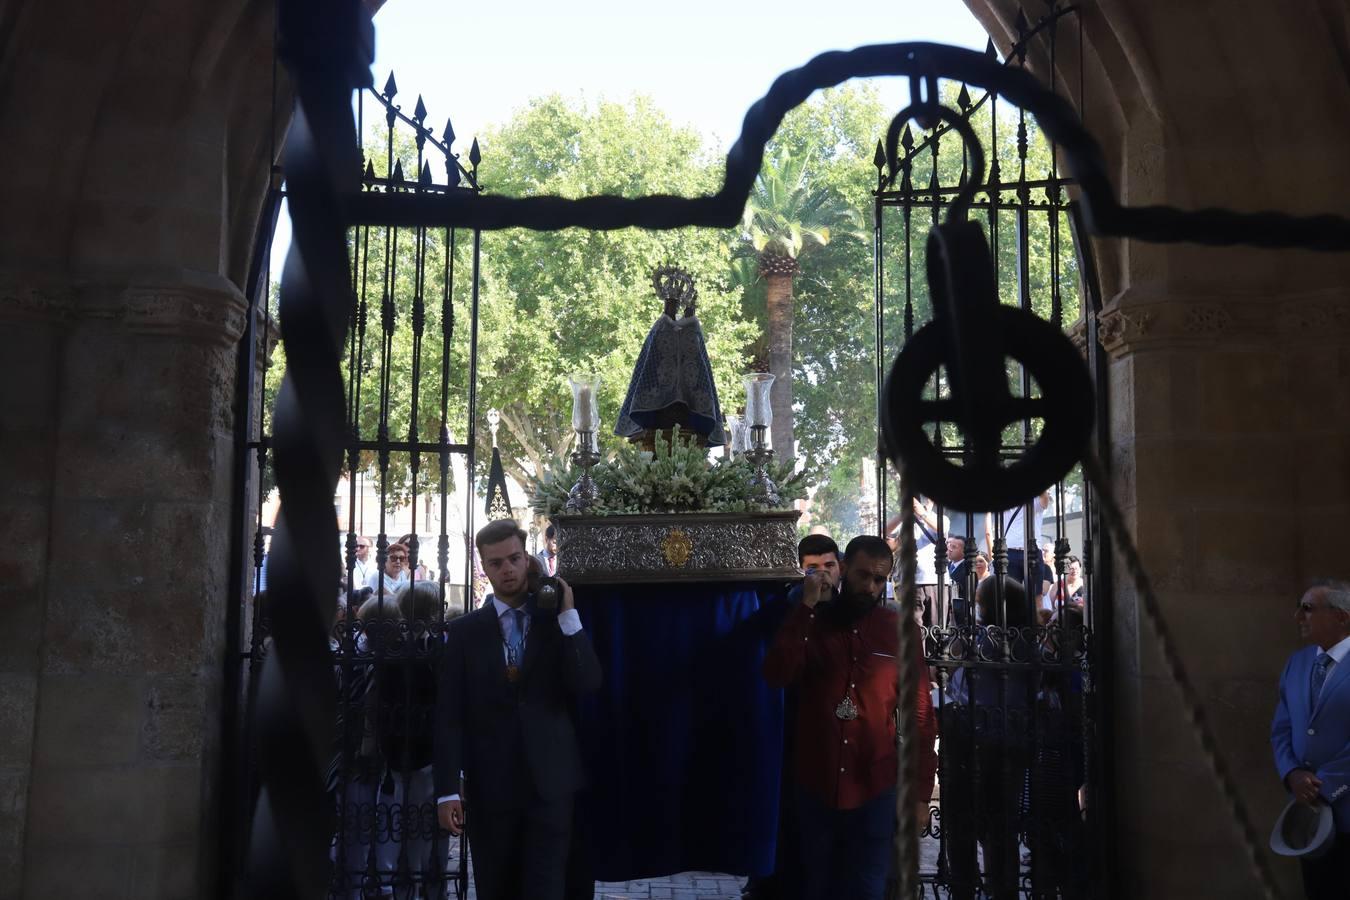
column 965, row 350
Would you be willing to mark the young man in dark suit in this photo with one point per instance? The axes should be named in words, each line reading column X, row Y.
column 509, row 676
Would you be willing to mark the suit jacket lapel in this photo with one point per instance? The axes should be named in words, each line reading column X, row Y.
column 534, row 640
column 489, row 638
column 1335, row 679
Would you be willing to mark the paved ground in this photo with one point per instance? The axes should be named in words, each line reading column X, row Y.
column 685, row 886
column 698, row 885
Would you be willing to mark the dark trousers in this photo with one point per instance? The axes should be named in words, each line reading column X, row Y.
column 521, row 854
column 1055, row 834
column 845, row 853
column 1328, row 878
column 982, row 776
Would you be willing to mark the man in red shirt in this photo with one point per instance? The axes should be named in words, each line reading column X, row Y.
column 840, row 655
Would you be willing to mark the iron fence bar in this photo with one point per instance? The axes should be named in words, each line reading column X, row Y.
column 473, row 419
column 395, row 111
column 1098, row 563
column 394, row 446
column 390, row 184
column 418, row 325
column 1002, row 203
column 879, row 320
column 443, row 451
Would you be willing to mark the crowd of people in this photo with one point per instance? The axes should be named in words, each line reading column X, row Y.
column 946, row 555
column 453, row 724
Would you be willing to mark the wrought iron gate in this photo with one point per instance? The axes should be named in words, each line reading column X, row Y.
column 409, row 377
column 1020, row 807
column 327, row 49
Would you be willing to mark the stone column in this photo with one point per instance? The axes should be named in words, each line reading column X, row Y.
column 120, row 398
column 1231, row 455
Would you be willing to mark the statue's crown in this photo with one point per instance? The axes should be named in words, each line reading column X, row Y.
column 673, row 283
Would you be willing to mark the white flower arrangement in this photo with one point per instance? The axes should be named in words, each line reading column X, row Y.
column 676, row 478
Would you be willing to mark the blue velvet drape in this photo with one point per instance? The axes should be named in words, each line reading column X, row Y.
column 683, row 742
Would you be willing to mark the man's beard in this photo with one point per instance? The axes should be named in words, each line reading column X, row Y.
column 848, row 607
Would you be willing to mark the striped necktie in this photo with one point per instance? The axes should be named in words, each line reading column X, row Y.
column 1319, row 674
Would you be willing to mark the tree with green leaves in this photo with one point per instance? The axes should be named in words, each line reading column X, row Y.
column 787, row 217
column 555, row 303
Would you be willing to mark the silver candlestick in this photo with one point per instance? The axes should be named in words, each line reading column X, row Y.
column 764, row 491
column 584, row 493
column 758, row 418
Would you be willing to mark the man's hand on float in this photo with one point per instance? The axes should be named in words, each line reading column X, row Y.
column 813, row 588
column 1304, row 785
column 451, row 816
column 567, row 601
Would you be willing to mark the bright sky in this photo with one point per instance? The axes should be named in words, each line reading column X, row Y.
column 703, row 61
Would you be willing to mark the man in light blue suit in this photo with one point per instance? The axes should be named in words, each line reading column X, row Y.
column 1311, row 730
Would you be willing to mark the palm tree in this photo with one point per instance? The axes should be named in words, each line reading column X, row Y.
column 786, row 219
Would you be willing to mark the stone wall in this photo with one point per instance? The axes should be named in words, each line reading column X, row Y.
column 138, row 138
column 116, row 586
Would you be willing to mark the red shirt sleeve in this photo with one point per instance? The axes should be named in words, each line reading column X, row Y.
column 786, row 660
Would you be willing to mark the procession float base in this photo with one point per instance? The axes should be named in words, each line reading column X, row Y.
column 677, row 547
column 684, row 740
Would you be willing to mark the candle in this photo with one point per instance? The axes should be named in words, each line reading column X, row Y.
column 758, row 411
column 585, row 409
column 584, row 418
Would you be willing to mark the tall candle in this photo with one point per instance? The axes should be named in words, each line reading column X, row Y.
column 758, row 411
column 585, row 419
column 585, row 412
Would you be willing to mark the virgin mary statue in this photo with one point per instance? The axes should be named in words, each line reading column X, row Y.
column 672, row 383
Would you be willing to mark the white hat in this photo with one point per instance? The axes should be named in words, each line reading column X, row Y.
column 1303, row 831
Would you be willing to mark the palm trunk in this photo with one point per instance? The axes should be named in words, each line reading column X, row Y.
column 780, row 316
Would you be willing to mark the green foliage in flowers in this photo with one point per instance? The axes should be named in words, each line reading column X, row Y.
column 677, row 477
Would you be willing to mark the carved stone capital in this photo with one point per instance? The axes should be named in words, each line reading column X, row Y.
column 1325, row 313
column 1132, row 322
column 1119, row 329
column 35, row 301
column 185, row 305
column 1077, row 334
column 212, row 312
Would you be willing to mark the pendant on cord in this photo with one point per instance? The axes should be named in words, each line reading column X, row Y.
column 847, row 710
